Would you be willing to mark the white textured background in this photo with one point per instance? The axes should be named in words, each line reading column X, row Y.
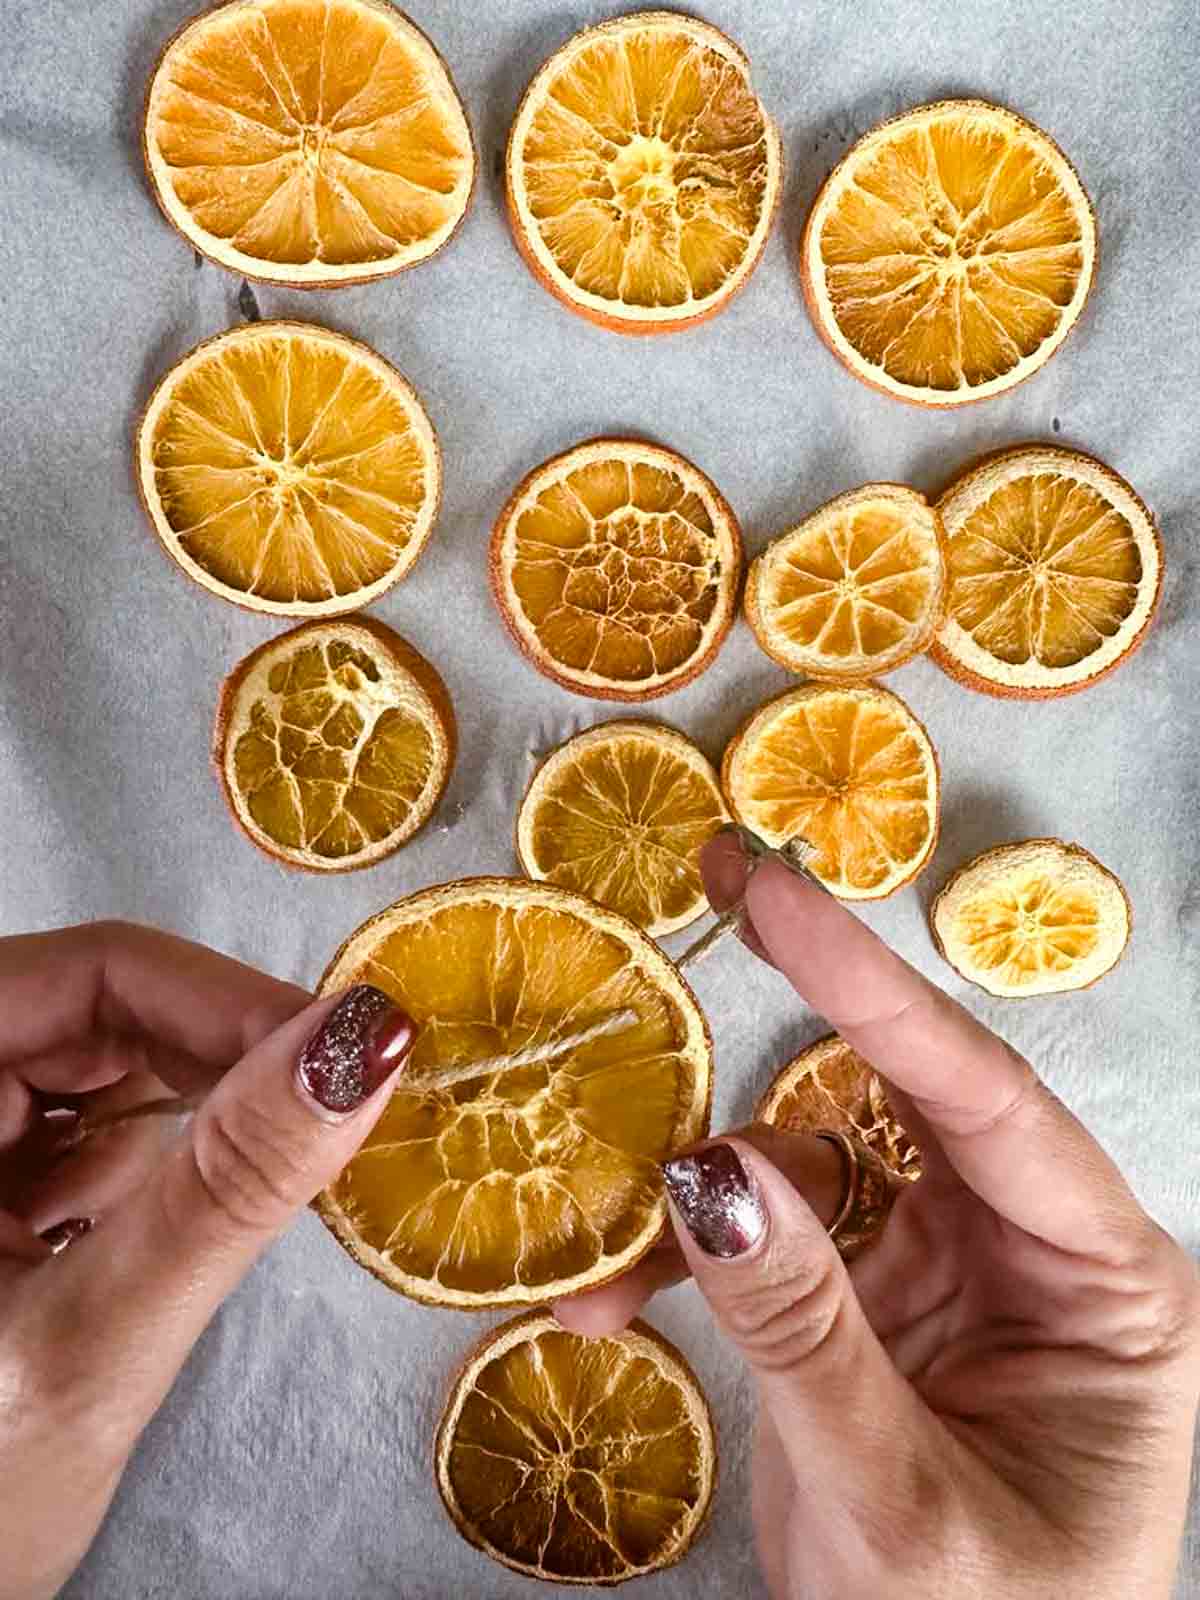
column 292, row 1458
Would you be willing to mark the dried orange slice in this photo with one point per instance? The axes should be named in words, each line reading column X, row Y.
column 829, row 1087
column 855, row 589
column 1037, row 917
column 621, row 813
column 949, row 254
column 308, row 142
column 515, row 1188
column 334, row 744
column 849, row 769
column 643, row 172
column 289, row 469
column 616, row 568
column 1055, row 571
column 577, row 1460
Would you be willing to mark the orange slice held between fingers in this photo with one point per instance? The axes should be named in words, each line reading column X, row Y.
column 577, row 1460
column 289, row 469
column 308, row 142
column 616, row 568
column 949, row 254
column 643, row 172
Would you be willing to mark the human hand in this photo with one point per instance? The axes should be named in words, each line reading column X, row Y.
column 998, row 1398
column 102, row 1018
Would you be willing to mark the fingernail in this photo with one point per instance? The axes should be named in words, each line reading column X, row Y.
column 65, row 1233
column 717, row 1199
column 361, row 1042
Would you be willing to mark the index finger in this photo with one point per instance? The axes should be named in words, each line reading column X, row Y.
column 1002, row 1130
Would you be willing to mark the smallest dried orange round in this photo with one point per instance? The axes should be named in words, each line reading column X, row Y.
column 334, row 744
column 577, row 1460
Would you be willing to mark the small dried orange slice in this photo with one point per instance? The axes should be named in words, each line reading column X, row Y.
column 308, row 142
column 577, row 1460
column 334, row 744
column 1055, row 570
column 1037, row 917
column 856, row 589
column 643, row 172
column 847, row 768
column 828, row 1087
column 616, row 568
column 949, row 254
column 518, row 1187
column 289, row 469
column 621, row 813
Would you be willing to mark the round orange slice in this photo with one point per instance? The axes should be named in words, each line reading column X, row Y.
column 334, row 744
column 1055, row 571
column 518, row 1187
column 847, row 768
column 643, row 173
column 621, row 813
column 616, row 568
column 289, row 469
column 856, row 589
column 828, row 1087
column 949, row 254
column 577, row 1460
column 308, row 142
column 1037, row 917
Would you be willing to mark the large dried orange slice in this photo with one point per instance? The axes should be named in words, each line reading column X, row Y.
column 621, row 813
column 289, row 469
column 577, row 1460
column 949, row 254
column 829, row 1087
column 616, row 568
column 1055, row 570
column 643, row 172
column 308, row 142
column 1036, row 917
column 517, row 1187
column 334, row 744
column 847, row 768
column 856, row 589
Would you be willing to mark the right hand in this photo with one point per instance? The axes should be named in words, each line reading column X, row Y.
column 997, row 1400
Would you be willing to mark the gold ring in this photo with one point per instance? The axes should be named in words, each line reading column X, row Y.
column 870, row 1193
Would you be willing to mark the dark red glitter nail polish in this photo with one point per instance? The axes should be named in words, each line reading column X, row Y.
column 361, row 1042
column 717, row 1198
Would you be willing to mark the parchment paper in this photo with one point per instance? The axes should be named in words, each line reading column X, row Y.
column 293, row 1456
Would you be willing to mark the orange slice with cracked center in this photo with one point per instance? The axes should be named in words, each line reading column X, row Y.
column 847, row 768
column 1038, row 917
column 855, row 589
column 334, row 744
column 289, row 469
column 308, row 142
column 577, row 1460
column 643, row 172
column 1055, row 571
column 515, row 1188
column 616, row 568
column 621, row 813
column 949, row 254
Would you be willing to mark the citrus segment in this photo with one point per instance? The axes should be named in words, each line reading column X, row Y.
column 309, row 142
column 517, row 1187
column 643, row 172
column 615, row 567
column 1037, row 917
column 577, row 1460
column 855, row 589
column 850, row 770
column 828, row 1087
column 621, row 813
column 289, row 469
column 950, row 253
column 1055, row 570
column 334, row 744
